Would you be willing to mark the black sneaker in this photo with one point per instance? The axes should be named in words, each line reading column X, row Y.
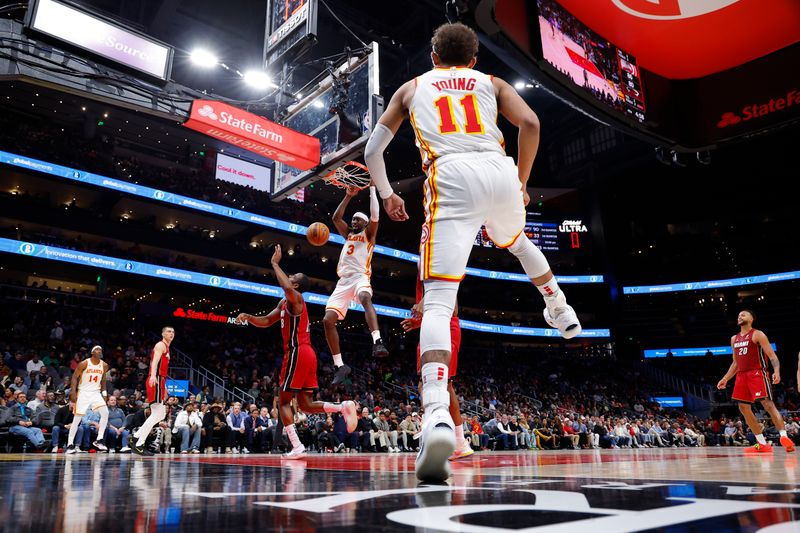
column 379, row 350
column 341, row 373
column 71, row 449
column 141, row 450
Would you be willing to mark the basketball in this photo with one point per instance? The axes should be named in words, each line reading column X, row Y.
column 317, row 234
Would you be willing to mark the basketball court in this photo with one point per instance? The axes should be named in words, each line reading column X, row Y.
column 710, row 489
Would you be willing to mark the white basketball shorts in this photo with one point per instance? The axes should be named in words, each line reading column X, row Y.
column 347, row 289
column 462, row 193
column 88, row 401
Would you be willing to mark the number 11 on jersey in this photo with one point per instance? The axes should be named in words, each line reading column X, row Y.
column 447, row 122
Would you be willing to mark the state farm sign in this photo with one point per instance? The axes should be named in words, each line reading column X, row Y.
column 254, row 133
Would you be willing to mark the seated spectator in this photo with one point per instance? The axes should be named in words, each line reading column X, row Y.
column 263, row 433
column 20, row 419
column 116, row 432
column 326, row 437
column 364, row 430
column 38, row 400
column 693, row 437
column 544, row 436
column 380, row 433
column 63, row 421
column 235, row 422
column 18, row 386
column 408, row 428
column 570, row 435
column 350, row 440
column 204, row 396
column 215, row 425
column 480, row 440
column 190, row 427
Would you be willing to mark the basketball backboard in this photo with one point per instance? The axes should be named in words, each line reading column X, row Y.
column 340, row 111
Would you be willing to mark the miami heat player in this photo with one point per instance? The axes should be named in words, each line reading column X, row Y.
column 156, row 389
column 752, row 380
column 463, row 449
column 470, row 182
column 354, row 271
column 299, row 370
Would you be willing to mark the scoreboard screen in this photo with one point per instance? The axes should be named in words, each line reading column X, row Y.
column 568, row 236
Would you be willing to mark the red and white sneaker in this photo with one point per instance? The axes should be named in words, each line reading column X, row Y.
column 759, row 448
column 464, row 451
column 787, row 444
column 350, row 415
column 296, row 453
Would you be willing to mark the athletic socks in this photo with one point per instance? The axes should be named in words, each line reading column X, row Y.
column 783, row 433
column 459, row 436
column 291, row 432
column 760, row 438
column 376, row 336
column 332, row 407
column 550, row 288
column 337, row 360
column 434, row 386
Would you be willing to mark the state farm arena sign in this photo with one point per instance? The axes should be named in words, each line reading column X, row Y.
column 254, row 133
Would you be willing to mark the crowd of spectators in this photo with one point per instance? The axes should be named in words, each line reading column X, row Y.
column 542, row 401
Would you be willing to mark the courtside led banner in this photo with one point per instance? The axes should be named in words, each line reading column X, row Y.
column 92, row 33
column 254, row 133
column 691, row 352
column 186, row 202
column 55, row 253
column 715, row 284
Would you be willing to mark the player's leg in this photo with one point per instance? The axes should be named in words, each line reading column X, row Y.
column 73, row 431
column 506, row 225
column 755, row 426
column 365, row 299
column 287, row 417
column 101, row 432
column 777, row 419
column 156, row 395
column 335, row 310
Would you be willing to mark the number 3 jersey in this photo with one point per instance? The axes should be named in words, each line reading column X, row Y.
column 356, row 255
column 453, row 111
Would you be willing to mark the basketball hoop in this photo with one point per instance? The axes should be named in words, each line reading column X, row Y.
column 350, row 174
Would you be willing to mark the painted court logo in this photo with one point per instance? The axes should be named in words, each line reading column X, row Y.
column 671, row 9
column 759, row 110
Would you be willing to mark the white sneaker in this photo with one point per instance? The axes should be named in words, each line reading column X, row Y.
column 437, row 443
column 296, row 453
column 125, row 449
column 245, row 450
column 350, row 415
column 562, row 316
column 100, row 446
column 54, row 450
column 71, row 450
column 236, row 451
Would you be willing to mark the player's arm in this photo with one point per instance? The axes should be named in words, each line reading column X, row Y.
column 382, row 134
column 761, row 339
column 293, row 297
column 338, row 215
column 511, row 105
column 158, row 351
column 73, row 386
column 731, row 371
column 374, row 215
column 263, row 321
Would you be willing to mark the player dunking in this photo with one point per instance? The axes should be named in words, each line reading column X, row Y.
column 470, row 181
column 88, row 391
column 354, row 270
column 156, row 389
column 299, row 370
column 752, row 380
column 463, row 449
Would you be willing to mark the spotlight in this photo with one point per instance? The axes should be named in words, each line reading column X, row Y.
column 258, row 79
column 519, row 85
column 203, row 58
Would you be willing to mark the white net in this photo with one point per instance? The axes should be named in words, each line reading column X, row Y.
column 351, row 174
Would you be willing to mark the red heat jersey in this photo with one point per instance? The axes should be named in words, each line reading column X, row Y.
column 749, row 355
column 295, row 329
column 163, row 363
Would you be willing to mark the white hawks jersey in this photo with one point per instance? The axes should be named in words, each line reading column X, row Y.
column 454, row 110
column 91, row 378
column 356, row 256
